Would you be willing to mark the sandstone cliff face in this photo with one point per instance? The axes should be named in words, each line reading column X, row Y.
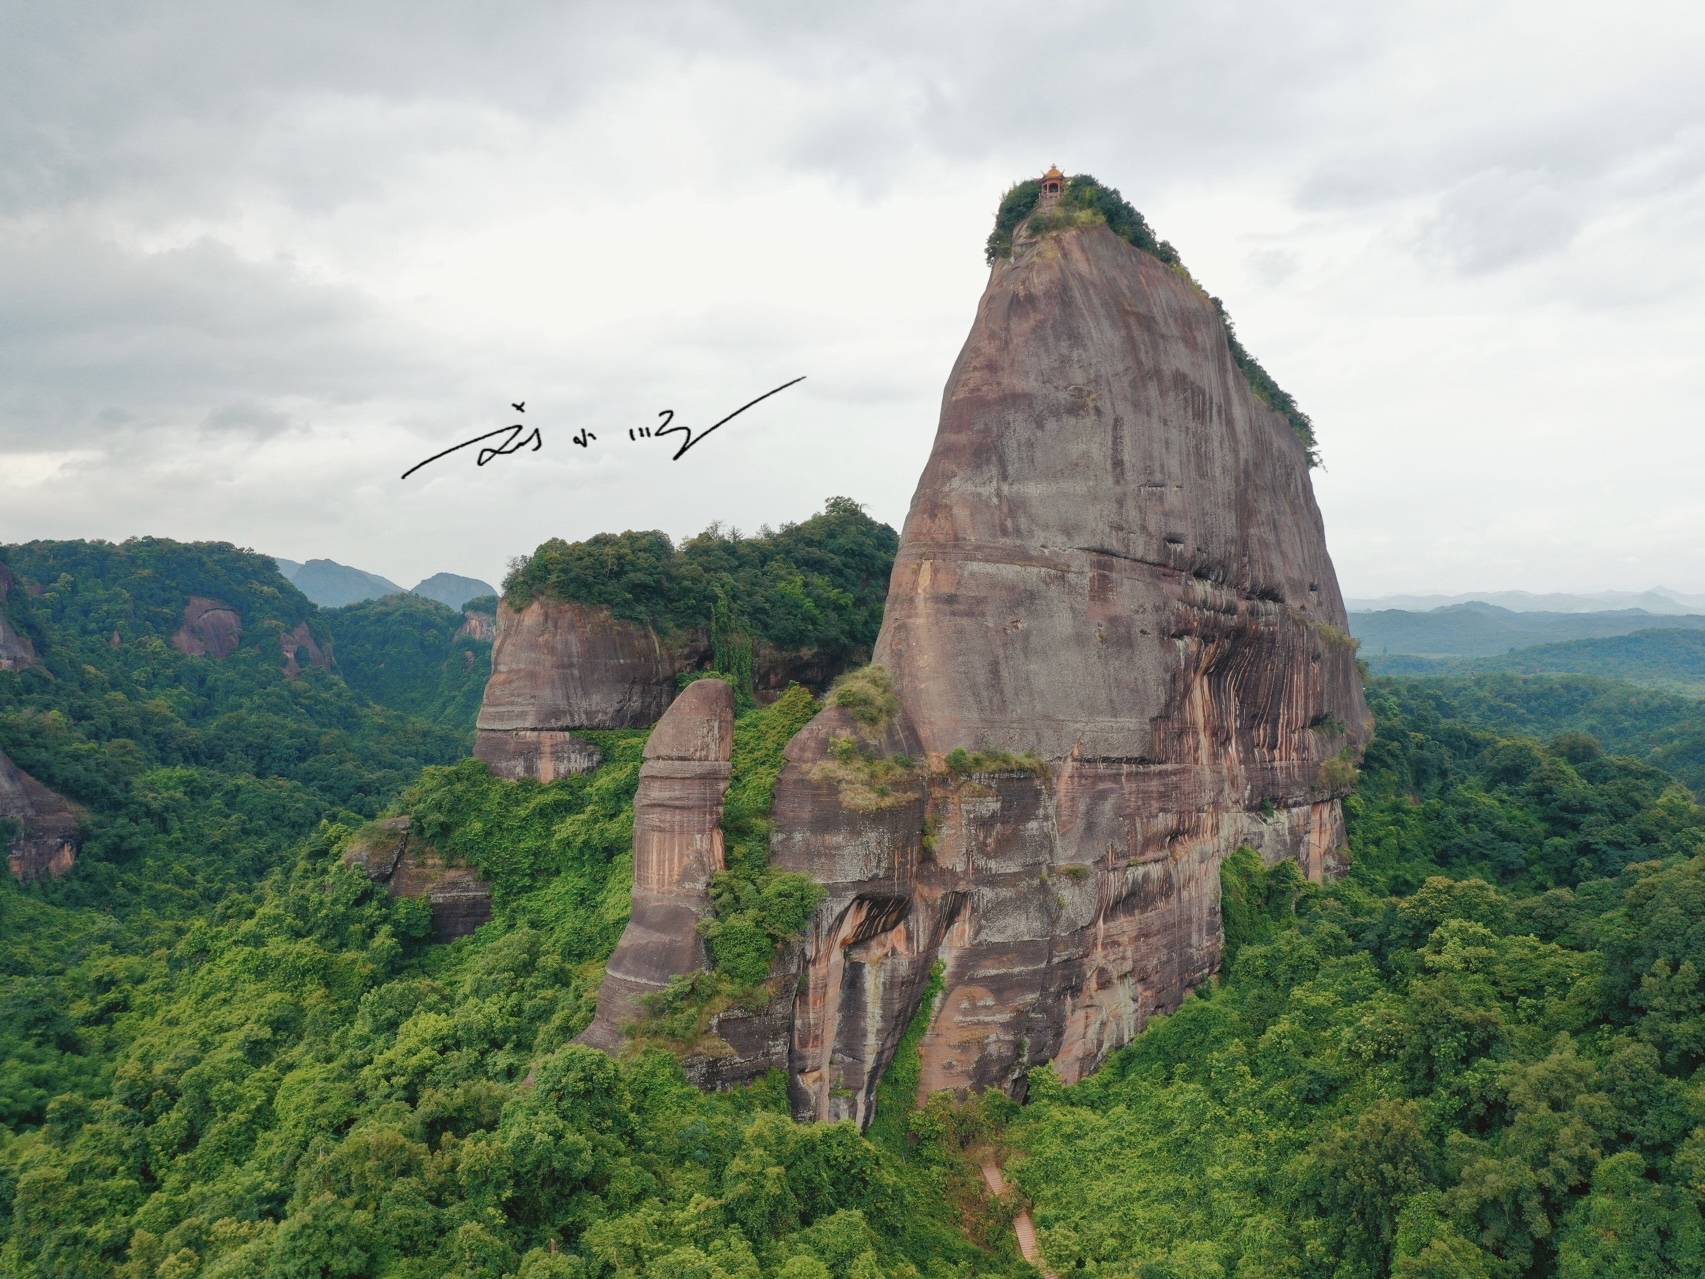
column 556, row 666
column 1114, row 563
column 210, row 628
column 392, row 854
column 677, row 847
column 44, row 841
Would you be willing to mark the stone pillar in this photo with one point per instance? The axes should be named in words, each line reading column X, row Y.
column 677, row 847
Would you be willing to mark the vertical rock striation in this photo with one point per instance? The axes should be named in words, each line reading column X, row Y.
column 1113, row 585
column 677, row 847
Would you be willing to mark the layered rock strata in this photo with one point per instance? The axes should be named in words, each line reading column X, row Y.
column 1113, row 588
column 677, row 848
column 391, row 853
column 44, row 826
column 558, row 666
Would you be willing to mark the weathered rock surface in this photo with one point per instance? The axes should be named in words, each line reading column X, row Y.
column 479, row 626
column 16, row 650
column 677, row 847
column 300, row 650
column 1114, row 563
column 210, row 628
column 392, row 854
column 45, row 839
column 557, row 666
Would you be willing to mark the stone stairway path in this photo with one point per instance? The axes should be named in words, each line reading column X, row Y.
column 1022, row 1225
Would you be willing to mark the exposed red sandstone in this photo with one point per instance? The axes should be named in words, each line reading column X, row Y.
column 1113, row 562
column 298, row 647
column 556, row 666
column 479, row 626
column 677, row 847
column 210, row 628
column 392, row 854
column 45, row 839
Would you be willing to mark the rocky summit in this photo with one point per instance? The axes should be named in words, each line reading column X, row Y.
column 1113, row 652
column 1114, row 632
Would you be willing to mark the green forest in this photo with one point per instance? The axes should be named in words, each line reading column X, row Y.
column 817, row 585
column 226, row 1055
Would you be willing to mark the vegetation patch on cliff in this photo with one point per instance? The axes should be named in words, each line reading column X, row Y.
column 756, row 907
column 817, row 585
column 1086, row 202
column 960, row 762
column 865, row 781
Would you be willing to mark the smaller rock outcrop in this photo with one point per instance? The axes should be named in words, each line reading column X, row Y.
column 677, row 847
column 478, row 626
column 210, row 628
column 16, row 651
column 558, row 666
column 391, row 853
column 300, row 649
column 44, row 840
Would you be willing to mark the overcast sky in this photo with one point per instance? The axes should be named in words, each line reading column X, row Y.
column 256, row 260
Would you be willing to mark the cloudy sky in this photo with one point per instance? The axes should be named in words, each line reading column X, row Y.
column 256, row 260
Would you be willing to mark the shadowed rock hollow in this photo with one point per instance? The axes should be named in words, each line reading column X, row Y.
column 1113, row 589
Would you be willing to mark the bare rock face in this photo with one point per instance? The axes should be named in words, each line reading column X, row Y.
column 301, row 650
column 45, row 839
column 556, row 666
column 16, row 650
column 210, row 628
column 1113, row 584
column 677, row 847
column 392, row 854
column 479, row 626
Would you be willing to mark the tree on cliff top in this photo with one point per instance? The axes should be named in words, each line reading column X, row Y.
column 817, row 585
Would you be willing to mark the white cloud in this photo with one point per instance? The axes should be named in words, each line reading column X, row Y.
column 255, row 261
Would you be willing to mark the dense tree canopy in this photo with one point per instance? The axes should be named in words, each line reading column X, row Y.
column 225, row 1055
column 816, row 585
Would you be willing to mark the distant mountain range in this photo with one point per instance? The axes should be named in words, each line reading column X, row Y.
column 333, row 585
column 1671, row 660
column 1484, row 630
column 1659, row 599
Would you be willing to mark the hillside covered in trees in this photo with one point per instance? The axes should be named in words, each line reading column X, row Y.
column 226, row 1054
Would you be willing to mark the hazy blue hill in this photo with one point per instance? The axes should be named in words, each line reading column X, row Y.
column 1669, row 659
column 333, row 585
column 1657, row 600
column 1486, row 630
column 453, row 590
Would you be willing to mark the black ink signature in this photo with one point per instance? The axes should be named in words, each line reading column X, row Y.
column 517, row 441
column 513, row 444
column 668, row 415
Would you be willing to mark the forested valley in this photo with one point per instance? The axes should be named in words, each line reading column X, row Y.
column 224, row 1053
